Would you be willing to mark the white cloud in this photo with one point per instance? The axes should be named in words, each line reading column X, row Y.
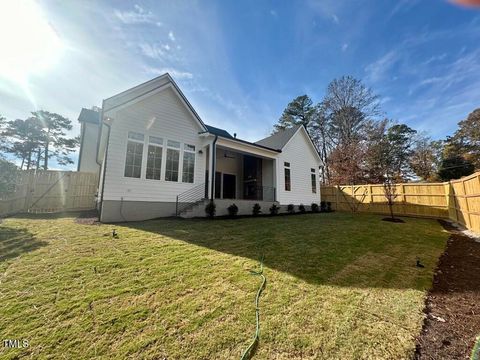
column 344, row 47
column 435, row 58
column 176, row 74
column 377, row 70
column 137, row 16
column 171, row 36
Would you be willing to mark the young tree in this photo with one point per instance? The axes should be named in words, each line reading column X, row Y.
column 390, row 192
column 299, row 111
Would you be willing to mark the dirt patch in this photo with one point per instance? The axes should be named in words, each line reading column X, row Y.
column 394, row 220
column 88, row 218
column 453, row 303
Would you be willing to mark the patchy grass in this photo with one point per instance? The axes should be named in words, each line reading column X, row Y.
column 339, row 286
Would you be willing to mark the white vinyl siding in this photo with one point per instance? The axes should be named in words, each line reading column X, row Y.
column 162, row 115
column 302, row 159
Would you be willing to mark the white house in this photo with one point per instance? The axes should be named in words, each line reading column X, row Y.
column 157, row 158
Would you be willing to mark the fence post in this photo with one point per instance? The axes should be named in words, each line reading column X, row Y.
column 336, row 197
column 468, row 220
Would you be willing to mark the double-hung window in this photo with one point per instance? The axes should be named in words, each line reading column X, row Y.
column 173, row 160
column 133, row 161
column 314, row 181
column 288, row 185
column 154, row 158
column 188, row 163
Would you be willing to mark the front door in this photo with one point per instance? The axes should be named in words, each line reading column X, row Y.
column 229, row 186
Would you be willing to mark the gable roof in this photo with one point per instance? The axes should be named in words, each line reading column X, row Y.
column 140, row 91
column 90, row 116
column 279, row 139
column 217, row 131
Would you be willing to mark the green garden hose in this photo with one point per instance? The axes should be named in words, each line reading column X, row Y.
column 476, row 349
column 248, row 351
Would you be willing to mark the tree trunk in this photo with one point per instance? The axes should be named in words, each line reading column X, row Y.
column 390, row 205
column 23, row 161
column 39, row 156
column 47, row 143
column 29, row 160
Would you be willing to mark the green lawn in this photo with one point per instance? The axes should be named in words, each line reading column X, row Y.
column 339, row 286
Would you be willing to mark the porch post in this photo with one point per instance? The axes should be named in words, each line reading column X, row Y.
column 210, row 173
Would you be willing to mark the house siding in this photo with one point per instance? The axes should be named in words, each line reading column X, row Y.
column 88, row 150
column 302, row 158
column 162, row 115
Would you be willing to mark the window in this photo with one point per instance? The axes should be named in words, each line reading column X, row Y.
column 188, row 163
column 154, row 158
column 314, row 181
column 287, row 176
column 173, row 160
column 133, row 161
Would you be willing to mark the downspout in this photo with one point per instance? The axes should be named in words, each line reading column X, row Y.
column 104, row 168
column 214, row 156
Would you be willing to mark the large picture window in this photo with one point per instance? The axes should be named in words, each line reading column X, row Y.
column 154, row 158
column 133, row 161
column 288, row 185
column 314, row 181
column 173, row 160
column 188, row 163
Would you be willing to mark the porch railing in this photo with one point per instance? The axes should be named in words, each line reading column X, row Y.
column 261, row 193
column 190, row 198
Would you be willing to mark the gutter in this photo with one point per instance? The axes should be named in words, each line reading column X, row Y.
column 214, row 157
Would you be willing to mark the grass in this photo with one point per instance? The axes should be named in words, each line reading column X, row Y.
column 339, row 286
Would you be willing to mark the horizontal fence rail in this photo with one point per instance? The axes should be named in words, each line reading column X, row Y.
column 49, row 191
column 458, row 200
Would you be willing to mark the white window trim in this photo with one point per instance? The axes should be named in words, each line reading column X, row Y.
column 289, row 167
column 180, row 160
column 142, row 175
column 194, row 152
column 162, row 165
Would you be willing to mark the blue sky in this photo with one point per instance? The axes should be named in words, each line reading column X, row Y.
column 241, row 62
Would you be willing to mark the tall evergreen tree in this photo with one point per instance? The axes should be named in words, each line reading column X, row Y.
column 299, row 111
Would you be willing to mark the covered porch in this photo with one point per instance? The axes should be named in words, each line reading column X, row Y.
column 240, row 175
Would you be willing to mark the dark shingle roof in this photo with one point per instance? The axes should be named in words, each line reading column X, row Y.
column 279, row 139
column 220, row 132
column 90, row 116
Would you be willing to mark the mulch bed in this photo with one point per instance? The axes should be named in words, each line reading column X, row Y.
column 453, row 304
column 394, row 220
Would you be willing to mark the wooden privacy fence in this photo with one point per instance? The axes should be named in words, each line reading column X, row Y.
column 47, row 191
column 458, row 200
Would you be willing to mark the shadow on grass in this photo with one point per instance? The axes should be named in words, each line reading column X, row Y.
column 335, row 249
column 15, row 242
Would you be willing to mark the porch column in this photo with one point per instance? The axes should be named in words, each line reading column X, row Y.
column 211, row 174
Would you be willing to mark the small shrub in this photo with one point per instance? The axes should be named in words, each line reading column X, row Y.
column 323, row 206
column 301, row 208
column 274, row 209
column 291, row 208
column 211, row 209
column 232, row 210
column 256, row 210
column 329, row 206
column 314, row 208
